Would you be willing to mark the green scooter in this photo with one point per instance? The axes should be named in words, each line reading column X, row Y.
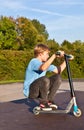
column 76, row 111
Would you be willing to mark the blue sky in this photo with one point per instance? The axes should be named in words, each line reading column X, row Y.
column 64, row 19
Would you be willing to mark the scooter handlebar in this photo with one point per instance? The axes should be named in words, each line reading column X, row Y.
column 70, row 57
column 58, row 53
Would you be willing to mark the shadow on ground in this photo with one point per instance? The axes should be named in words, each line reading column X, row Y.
column 18, row 115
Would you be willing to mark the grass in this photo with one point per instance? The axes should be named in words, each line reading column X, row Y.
column 21, row 81
column 10, row 81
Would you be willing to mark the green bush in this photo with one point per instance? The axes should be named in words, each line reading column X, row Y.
column 13, row 64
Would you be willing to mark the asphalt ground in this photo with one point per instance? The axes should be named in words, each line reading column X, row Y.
column 16, row 111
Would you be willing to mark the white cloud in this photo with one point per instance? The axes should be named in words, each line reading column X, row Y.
column 45, row 12
column 65, row 2
column 18, row 5
column 66, row 23
column 10, row 4
column 58, row 16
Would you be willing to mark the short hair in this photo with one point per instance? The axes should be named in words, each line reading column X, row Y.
column 39, row 48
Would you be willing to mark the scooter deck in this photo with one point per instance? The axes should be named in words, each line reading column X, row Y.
column 36, row 112
column 52, row 111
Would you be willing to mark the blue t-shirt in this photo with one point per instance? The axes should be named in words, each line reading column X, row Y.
column 33, row 73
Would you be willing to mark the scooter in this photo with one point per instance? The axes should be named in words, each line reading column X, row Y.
column 76, row 111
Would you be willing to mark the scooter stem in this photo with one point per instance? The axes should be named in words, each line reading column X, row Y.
column 69, row 75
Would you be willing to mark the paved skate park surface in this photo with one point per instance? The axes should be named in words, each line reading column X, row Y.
column 16, row 111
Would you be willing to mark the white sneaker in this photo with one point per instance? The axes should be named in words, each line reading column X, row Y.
column 52, row 105
column 45, row 107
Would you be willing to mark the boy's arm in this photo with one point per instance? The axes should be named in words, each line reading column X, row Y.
column 45, row 65
column 63, row 65
column 60, row 68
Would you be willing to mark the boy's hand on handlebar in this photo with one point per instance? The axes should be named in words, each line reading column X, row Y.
column 60, row 53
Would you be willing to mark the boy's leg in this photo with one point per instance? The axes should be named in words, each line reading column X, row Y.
column 55, row 82
column 44, row 89
column 40, row 88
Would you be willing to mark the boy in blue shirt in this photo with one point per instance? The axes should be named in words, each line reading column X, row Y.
column 37, row 84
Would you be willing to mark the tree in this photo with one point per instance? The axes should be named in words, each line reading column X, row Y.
column 27, row 33
column 79, row 56
column 40, row 28
column 67, row 46
column 53, row 45
column 77, row 44
column 7, row 33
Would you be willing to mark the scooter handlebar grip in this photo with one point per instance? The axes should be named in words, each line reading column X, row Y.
column 58, row 53
column 70, row 57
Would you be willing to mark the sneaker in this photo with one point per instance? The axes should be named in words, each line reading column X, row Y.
column 45, row 107
column 52, row 105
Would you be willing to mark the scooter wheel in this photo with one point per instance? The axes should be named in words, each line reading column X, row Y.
column 36, row 110
column 78, row 113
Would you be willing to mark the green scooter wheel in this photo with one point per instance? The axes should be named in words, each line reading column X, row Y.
column 78, row 113
column 36, row 110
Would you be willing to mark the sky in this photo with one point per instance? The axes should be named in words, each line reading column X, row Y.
column 63, row 19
